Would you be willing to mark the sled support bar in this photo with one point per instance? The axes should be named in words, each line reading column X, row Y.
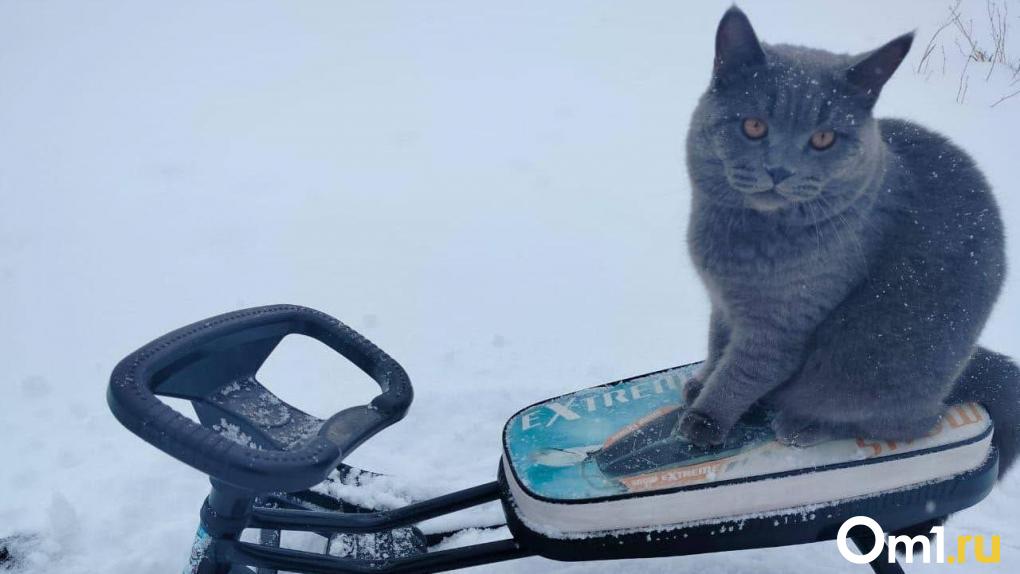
column 311, row 563
column 365, row 522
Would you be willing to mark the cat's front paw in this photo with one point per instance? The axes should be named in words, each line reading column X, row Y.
column 701, row 429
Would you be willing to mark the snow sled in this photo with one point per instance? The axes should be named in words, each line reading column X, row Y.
column 592, row 475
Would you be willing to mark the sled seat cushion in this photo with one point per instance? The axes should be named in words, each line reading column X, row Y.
column 598, row 474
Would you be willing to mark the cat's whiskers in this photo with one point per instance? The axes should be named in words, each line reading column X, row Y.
column 814, row 223
column 837, row 218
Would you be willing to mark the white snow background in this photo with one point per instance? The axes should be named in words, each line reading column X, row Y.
column 493, row 193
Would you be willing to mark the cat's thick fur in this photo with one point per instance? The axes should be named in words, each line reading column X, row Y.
column 848, row 285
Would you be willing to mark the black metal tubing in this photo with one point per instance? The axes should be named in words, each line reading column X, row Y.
column 311, row 563
column 360, row 523
column 224, row 516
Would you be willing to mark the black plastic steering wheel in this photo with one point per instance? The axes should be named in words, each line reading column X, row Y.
column 248, row 437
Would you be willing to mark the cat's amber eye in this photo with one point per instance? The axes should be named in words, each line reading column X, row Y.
column 755, row 128
column 823, row 139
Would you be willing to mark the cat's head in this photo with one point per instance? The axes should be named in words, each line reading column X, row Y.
column 786, row 130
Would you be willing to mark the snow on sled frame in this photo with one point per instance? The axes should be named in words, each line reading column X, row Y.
column 596, row 474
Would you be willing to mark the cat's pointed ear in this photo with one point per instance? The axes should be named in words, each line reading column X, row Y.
column 872, row 70
column 736, row 45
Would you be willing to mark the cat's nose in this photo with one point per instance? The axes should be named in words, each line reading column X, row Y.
column 778, row 174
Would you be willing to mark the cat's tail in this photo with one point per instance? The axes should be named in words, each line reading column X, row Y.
column 993, row 380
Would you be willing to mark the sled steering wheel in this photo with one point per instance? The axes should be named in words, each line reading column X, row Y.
column 248, row 437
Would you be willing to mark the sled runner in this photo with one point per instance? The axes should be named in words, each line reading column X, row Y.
column 595, row 474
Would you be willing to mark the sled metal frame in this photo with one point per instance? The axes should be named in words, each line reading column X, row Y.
column 204, row 363
column 226, row 554
column 228, row 511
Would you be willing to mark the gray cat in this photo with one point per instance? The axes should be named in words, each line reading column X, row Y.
column 851, row 262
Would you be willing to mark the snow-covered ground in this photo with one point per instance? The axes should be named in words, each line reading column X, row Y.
column 493, row 193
